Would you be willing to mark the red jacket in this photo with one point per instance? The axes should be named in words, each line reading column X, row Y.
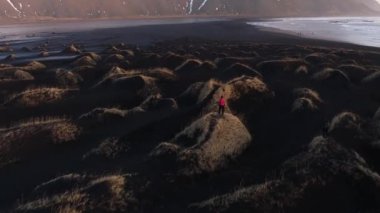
column 222, row 102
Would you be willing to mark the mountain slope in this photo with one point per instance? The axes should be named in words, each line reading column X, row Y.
column 125, row 8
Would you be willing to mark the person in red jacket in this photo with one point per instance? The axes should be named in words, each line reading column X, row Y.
column 222, row 105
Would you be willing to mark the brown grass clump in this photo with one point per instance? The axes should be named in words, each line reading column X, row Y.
column 110, row 148
column 112, row 50
column 237, row 70
column 209, row 143
column 115, row 71
column 318, row 58
column 15, row 74
column 243, row 95
column 173, row 60
column 304, row 105
column 115, row 50
column 281, row 67
column 88, row 73
column 156, row 102
column 307, row 93
column 226, row 62
column 189, row 65
column 93, row 56
column 346, row 128
column 84, row 61
column 332, row 77
column 37, row 97
column 161, row 73
column 103, row 116
column 68, row 78
column 33, row 66
column 64, row 132
column 198, row 92
column 306, row 100
column 139, row 84
column 114, row 58
column 84, row 194
column 31, row 139
column 312, row 181
column 22, row 75
column 71, row 49
column 355, row 72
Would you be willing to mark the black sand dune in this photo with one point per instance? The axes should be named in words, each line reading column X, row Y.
column 135, row 129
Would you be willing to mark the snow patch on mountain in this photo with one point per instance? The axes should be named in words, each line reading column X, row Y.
column 191, row 5
column 202, row 5
column 13, row 6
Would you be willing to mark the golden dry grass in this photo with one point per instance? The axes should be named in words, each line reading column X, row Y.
column 67, row 78
column 84, row 61
column 39, row 96
column 210, row 142
column 306, row 100
column 199, row 91
column 324, row 168
column 30, row 139
column 307, row 93
column 240, row 93
column 345, row 120
column 106, row 193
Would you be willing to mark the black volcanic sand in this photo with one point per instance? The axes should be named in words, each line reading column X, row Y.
column 134, row 129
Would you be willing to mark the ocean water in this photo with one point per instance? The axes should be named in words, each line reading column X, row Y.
column 357, row 30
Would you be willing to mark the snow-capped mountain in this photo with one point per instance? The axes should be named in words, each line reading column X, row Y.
column 125, row 8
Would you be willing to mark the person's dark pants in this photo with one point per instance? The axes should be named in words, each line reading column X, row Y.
column 221, row 110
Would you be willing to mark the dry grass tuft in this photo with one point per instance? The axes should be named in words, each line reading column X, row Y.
column 332, row 77
column 93, row 56
column 71, row 49
column 237, row 70
column 114, row 58
column 304, row 105
column 31, row 139
column 199, row 91
column 307, row 93
column 346, row 129
column 15, row 74
column 84, row 61
column 189, row 65
column 283, row 66
column 110, row 148
column 39, row 96
column 208, row 144
column 306, row 100
column 307, row 183
column 68, row 78
column 33, row 67
column 103, row 116
column 243, row 95
column 101, row 194
column 355, row 72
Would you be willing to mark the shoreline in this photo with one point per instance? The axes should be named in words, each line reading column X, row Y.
column 94, row 38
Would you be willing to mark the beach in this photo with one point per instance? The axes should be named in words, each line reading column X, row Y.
column 122, row 116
